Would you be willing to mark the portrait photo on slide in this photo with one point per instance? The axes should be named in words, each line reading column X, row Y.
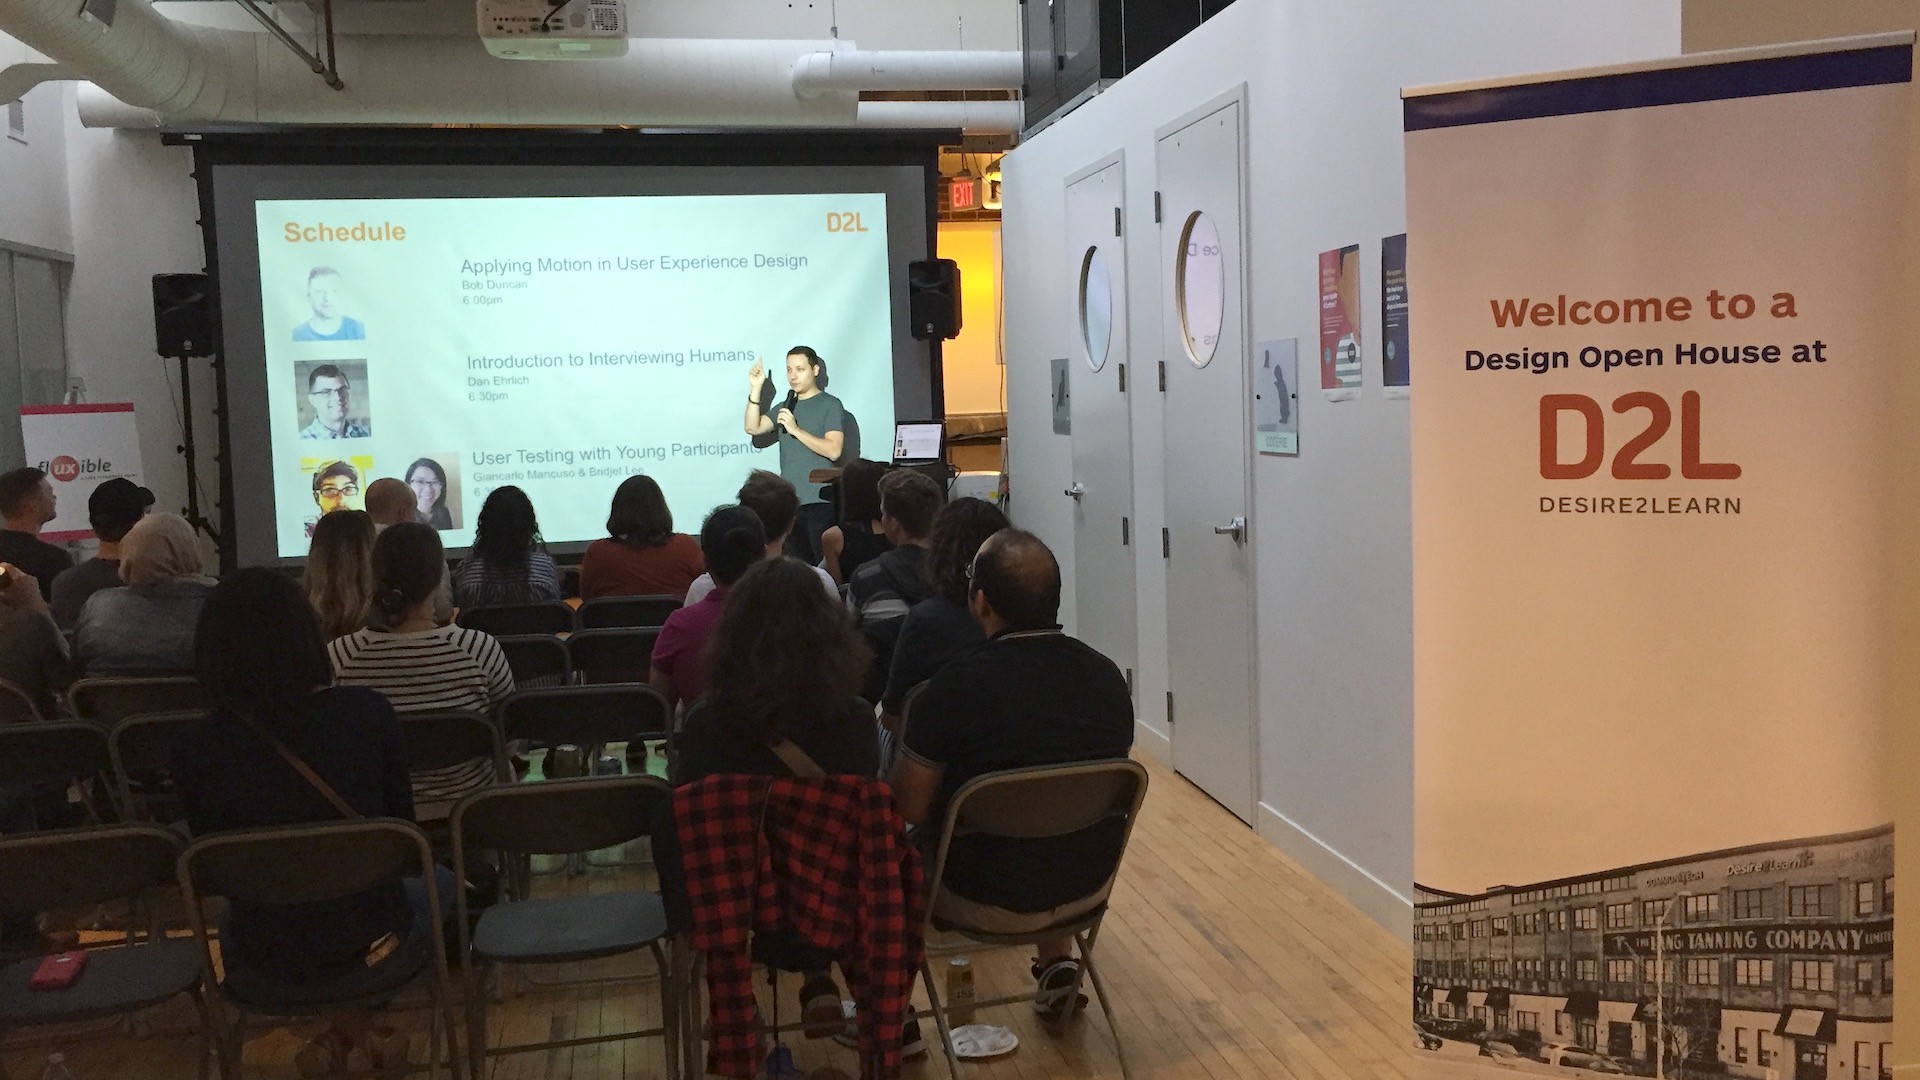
column 332, row 399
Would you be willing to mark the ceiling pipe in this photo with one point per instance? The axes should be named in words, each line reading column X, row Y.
column 825, row 71
column 143, row 58
column 970, row 117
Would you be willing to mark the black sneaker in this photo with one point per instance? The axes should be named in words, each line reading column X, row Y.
column 1055, row 979
column 912, row 1044
column 820, row 1007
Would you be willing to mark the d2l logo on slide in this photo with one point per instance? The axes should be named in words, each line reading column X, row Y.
column 847, row 222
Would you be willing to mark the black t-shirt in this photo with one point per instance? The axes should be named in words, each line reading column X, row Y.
column 73, row 586
column 1023, row 699
column 935, row 631
column 848, row 745
column 37, row 557
column 230, row 778
column 859, row 542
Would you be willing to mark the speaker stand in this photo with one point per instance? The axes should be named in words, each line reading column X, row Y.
column 192, row 510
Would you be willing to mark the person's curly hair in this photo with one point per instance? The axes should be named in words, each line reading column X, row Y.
column 957, row 535
column 784, row 658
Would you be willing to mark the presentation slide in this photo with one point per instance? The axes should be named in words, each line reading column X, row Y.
column 563, row 344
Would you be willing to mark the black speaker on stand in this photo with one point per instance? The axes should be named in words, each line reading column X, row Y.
column 183, row 331
column 933, row 299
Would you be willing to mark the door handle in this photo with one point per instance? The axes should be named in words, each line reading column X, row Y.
column 1075, row 491
column 1237, row 528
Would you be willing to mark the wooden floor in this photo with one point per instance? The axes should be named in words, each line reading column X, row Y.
column 1226, row 959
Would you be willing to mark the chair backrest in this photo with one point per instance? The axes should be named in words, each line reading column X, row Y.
column 16, row 705
column 1046, row 802
column 537, row 660
column 586, row 715
column 109, row 700
column 142, row 751
column 545, row 617
column 72, row 868
column 642, row 612
column 612, row 656
column 304, row 864
column 441, row 740
column 559, row 817
column 53, row 751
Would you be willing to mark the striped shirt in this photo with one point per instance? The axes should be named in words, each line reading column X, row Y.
column 437, row 670
column 478, row 583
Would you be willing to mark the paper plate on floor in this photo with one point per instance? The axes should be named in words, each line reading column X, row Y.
column 975, row 1041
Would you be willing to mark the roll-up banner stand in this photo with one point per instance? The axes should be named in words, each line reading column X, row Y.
column 1657, row 315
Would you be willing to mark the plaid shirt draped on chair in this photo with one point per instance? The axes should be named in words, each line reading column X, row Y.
column 827, row 858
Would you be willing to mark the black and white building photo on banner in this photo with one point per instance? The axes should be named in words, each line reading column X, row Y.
column 1653, row 791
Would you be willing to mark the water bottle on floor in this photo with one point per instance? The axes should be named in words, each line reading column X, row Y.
column 56, row 1068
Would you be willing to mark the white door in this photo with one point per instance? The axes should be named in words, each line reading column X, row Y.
column 1209, row 555
column 1100, row 378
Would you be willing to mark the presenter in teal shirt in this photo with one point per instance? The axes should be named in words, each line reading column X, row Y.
column 812, row 433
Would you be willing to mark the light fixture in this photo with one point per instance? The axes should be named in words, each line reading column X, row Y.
column 990, row 187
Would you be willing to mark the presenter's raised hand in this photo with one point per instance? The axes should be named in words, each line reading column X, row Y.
column 757, row 377
column 784, row 420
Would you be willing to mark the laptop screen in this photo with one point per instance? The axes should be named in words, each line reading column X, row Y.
column 918, row 440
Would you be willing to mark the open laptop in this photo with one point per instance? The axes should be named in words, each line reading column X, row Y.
column 919, row 442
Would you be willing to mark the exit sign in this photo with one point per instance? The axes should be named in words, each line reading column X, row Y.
column 963, row 193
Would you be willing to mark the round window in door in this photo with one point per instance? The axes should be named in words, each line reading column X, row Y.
column 1200, row 287
column 1096, row 308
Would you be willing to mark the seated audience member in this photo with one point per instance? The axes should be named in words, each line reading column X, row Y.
column 33, row 654
column 732, row 541
column 1030, row 696
column 390, row 502
column 261, row 661
column 114, row 507
column 940, row 627
column 772, row 500
column 782, row 663
column 26, row 505
column 420, row 665
column 508, row 563
column 857, row 538
column 147, row 627
column 893, row 582
column 339, row 573
column 642, row 555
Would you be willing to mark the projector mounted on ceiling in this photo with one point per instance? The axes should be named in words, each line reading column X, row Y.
column 539, row 30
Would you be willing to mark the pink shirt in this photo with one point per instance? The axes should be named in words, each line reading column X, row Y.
column 676, row 652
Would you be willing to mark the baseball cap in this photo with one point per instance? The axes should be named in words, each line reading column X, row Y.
column 117, row 504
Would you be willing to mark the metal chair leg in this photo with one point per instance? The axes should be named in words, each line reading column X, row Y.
column 1106, row 1007
column 203, row 1043
column 940, row 1019
column 476, row 1048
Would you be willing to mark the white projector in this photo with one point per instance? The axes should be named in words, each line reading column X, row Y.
column 539, row 30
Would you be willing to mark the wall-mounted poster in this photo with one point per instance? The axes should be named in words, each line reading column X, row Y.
column 1340, row 323
column 1276, row 396
column 1393, row 316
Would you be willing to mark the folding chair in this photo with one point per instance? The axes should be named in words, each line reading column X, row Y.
column 635, row 612
column 57, row 753
column 537, row 660
column 79, row 868
column 109, row 700
column 1050, row 802
column 546, row 617
column 613, row 656
column 565, row 817
column 587, row 715
column 142, row 753
column 16, row 705
column 440, row 741
column 308, row 864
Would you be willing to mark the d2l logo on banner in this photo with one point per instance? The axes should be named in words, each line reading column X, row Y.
column 1626, row 461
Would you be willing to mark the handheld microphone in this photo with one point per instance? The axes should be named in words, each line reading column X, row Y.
column 792, row 397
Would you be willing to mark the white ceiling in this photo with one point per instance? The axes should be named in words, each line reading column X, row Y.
column 871, row 24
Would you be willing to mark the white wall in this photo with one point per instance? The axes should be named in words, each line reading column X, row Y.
column 33, row 174
column 1334, row 620
column 134, row 210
